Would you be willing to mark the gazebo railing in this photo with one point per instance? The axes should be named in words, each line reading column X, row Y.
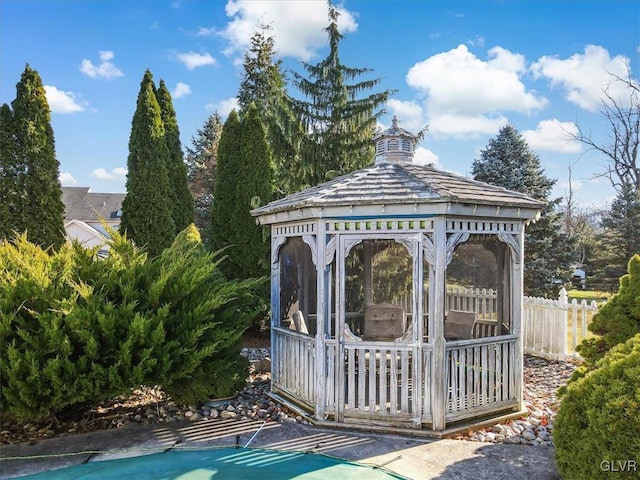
column 480, row 376
column 294, row 368
column 378, row 379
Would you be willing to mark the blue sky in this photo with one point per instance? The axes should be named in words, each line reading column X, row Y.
column 465, row 68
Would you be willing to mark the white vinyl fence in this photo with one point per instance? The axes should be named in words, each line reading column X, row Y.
column 550, row 328
column 553, row 328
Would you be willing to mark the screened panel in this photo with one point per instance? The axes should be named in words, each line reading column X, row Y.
column 298, row 287
column 476, row 291
column 378, row 289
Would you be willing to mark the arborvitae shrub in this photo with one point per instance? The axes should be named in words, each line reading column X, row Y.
column 617, row 320
column 597, row 429
column 76, row 329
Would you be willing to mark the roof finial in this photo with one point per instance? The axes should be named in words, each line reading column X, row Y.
column 395, row 122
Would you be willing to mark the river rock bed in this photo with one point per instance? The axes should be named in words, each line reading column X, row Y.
column 150, row 405
column 542, row 378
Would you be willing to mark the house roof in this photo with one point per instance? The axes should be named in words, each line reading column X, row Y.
column 400, row 183
column 80, row 204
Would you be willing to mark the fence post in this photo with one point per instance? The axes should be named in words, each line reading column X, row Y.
column 563, row 300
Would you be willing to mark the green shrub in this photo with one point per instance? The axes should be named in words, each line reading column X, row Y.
column 617, row 320
column 76, row 329
column 598, row 424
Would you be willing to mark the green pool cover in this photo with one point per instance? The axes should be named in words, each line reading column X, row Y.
column 221, row 464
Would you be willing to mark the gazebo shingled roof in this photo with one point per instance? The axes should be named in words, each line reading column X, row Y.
column 400, row 183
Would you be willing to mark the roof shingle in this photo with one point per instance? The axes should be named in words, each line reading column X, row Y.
column 80, row 204
column 400, row 182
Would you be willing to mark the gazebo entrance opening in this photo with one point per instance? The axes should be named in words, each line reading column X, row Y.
column 378, row 289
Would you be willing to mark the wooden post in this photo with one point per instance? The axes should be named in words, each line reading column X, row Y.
column 563, row 300
column 516, row 293
column 321, row 323
column 417, row 326
column 339, row 326
column 436, row 326
column 275, row 304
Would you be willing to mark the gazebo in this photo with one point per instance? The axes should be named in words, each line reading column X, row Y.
column 396, row 294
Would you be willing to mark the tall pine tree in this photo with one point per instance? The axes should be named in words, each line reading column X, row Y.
column 147, row 210
column 264, row 85
column 548, row 254
column 254, row 187
column 179, row 195
column 201, row 160
column 38, row 202
column 10, row 214
column 225, row 196
column 340, row 121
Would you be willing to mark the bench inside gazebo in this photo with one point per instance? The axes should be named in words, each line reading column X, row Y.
column 396, row 295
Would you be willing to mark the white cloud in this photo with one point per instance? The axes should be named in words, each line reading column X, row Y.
column 575, row 185
column 67, row 180
column 106, row 69
column 410, row 114
column 465, row 125
column 181, row 90
column 584, row 76
column 477, row 41
column 465, row 95
column 297, row 25
column 193, row 60
column 424, row 156
column 62, row 102
column 224, row 107
column 553, row 136
column 115, row 174
column 206, row 32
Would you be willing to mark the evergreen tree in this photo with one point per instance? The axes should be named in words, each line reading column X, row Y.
column 39, row 196
column 179, row 195
column 225, row 196
column 339, row 120
column 10, row 218
column 146, row 209
column 621, row 234
column 548, row 254
column 254, row 187
column 201, row 162
column 264, row 84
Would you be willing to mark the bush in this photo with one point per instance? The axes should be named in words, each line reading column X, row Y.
column 76, row 329
column 598, row 424
column 617, row 320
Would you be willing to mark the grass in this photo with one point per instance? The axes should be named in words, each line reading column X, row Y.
column 589, row 295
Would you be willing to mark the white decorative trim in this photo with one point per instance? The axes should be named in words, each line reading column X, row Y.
column 409, row 243
column 330, row 250
column 349, row 243
column 294, row 230
column 429, row 249
column 349, row 336
column 276, row 243
column 311, row 241
column 454, row 240
column 514, row 246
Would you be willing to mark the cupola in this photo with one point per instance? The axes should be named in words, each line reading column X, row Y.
column 394, row 144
